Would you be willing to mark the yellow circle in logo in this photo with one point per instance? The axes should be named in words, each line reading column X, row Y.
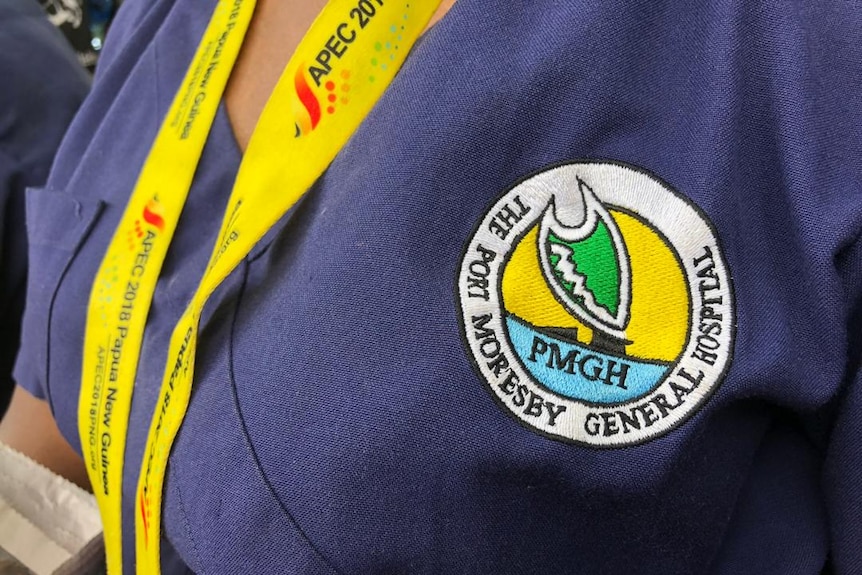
column 660, row 306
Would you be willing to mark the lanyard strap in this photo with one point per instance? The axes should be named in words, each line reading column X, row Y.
column 341, row 68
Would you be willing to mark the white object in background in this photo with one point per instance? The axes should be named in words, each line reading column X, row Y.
column 44, row 519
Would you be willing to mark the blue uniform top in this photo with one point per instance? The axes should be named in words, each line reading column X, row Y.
column 44, row 85
column 456, row 354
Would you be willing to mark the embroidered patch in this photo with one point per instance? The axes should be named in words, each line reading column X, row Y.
column 597, row 305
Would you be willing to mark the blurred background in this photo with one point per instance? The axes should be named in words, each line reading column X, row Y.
column 84, row 23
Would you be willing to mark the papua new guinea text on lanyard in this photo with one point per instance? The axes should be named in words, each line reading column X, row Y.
column 339, row 71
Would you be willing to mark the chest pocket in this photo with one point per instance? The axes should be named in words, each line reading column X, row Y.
column 57, row 225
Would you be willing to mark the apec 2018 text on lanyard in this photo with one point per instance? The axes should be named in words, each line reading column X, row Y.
column 341, row 68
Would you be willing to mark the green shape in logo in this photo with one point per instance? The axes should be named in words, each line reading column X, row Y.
column 595, row 259
column 585, row 262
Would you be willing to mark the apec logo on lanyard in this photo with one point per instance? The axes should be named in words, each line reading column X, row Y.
column 139, row 241
column 369, row 44
column 345, row 35
column 338, row 87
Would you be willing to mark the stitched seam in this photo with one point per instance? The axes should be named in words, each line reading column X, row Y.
column 156, row 80
column 196, row 554
column 79, row 243
column 247, row 436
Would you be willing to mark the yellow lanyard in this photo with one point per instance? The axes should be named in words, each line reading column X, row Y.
column 340, row 69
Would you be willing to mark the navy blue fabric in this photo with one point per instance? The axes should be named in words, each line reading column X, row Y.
column 43, row 87
column 337, row 425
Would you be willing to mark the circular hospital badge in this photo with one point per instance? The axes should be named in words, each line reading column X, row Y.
column 597, row 305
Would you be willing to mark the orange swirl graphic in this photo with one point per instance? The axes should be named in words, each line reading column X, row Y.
column 307, row 118
column 152, row 215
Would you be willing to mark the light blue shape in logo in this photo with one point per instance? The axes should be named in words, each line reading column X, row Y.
column 578, row 372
